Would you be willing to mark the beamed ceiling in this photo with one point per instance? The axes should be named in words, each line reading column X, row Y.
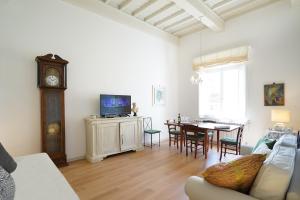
column 182, row 17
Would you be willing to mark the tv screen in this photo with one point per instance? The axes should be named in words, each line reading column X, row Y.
column 115, row 105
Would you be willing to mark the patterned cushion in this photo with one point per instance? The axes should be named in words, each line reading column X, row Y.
column 236, row 175
column 7, row 185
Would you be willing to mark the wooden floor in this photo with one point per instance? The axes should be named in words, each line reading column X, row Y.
column 158, row 173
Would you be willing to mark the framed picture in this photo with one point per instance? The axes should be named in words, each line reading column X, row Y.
column 158, row 95
column 274, row 94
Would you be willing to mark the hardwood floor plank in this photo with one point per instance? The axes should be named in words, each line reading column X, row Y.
column 158, row 173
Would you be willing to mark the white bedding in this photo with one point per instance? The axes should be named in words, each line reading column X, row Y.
column 37, row 178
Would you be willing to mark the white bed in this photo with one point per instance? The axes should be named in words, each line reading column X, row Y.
column 37, row 177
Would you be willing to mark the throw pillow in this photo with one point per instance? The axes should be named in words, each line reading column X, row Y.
column 236, row 175
column 7, row 185
column 270, row 143
column 6, row 161
column 262, row 149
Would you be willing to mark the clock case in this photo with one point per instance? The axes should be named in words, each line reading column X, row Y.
column 53, row 107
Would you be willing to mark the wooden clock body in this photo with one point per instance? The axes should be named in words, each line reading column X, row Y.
column 52, row 81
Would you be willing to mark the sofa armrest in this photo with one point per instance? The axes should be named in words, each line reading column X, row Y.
column 199, row 189
column 246, row 150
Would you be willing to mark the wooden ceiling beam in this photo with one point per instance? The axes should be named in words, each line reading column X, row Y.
column 221, row 4
column 202, row 13
column 159, row 11
column 184, row 28
column 124, row 4
column 179, row 12
column 178, row 22
column 143, row 7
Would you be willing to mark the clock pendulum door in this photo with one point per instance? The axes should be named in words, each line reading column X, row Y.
column 53, row 130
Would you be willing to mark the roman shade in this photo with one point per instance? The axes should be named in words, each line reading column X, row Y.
column 235, row 55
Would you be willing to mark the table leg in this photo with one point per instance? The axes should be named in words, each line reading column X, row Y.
column 206, row 143
column 218, row 140
column 181, row 139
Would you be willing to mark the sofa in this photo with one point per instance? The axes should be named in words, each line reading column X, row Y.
column 37, row 178
column 277, row 179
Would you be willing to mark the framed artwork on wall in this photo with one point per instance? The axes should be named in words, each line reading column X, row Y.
column 274, row 94
column 158, row 95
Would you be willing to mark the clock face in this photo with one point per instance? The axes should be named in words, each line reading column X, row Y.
column 52, row 80
column 52, row 77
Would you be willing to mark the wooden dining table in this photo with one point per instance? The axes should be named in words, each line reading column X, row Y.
column 207, row 127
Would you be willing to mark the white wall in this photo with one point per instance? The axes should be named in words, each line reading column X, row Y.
column 104, row 57
column 273, row 33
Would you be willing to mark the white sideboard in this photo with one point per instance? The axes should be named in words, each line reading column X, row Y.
column 108, row 136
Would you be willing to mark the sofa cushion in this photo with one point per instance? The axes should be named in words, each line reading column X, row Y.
column 274, row 176
column 294, row 189
column 288, row 140
column 237, row 175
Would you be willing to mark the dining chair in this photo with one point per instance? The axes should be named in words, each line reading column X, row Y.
column 147, row 125
column 194, row 135
column 232, row 144
column 174, row 134
column 210, row 132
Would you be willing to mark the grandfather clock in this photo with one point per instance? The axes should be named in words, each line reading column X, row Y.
column 52, row 81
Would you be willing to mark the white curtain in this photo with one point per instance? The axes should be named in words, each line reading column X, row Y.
column 234, row 55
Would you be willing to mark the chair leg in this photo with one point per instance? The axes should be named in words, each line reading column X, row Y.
column 211, row 141
column 159, row 139
column 236, row 150
column 221, row 153
column 169, row 140
column 186, row 148
column 196, row 146
column 144, row 139
column 225, row 150
column 203, row 149
column 151, row 141
column 177, row 141
column 191, row 146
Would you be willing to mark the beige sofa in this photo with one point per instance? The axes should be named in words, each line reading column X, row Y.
column 278, row 178
column 37, row 178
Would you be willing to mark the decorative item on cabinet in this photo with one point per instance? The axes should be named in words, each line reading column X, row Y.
column 134, row 109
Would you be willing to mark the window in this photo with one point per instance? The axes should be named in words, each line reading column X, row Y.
column 222, row 92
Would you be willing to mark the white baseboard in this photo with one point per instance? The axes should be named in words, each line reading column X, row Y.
column 76, row 158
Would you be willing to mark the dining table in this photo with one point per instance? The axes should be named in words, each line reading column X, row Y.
column 206, row 126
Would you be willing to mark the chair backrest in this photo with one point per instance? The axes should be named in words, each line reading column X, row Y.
column 171, row 127
column 188, row 128
column 240, row 134
column 147, row 123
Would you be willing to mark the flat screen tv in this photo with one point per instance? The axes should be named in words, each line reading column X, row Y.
column 115, row 105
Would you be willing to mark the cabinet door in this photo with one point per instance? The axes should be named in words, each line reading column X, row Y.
column 128, row 135
column 110, row 138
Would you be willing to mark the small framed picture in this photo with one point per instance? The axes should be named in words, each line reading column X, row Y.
column 158, row 95
column 274, row 94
